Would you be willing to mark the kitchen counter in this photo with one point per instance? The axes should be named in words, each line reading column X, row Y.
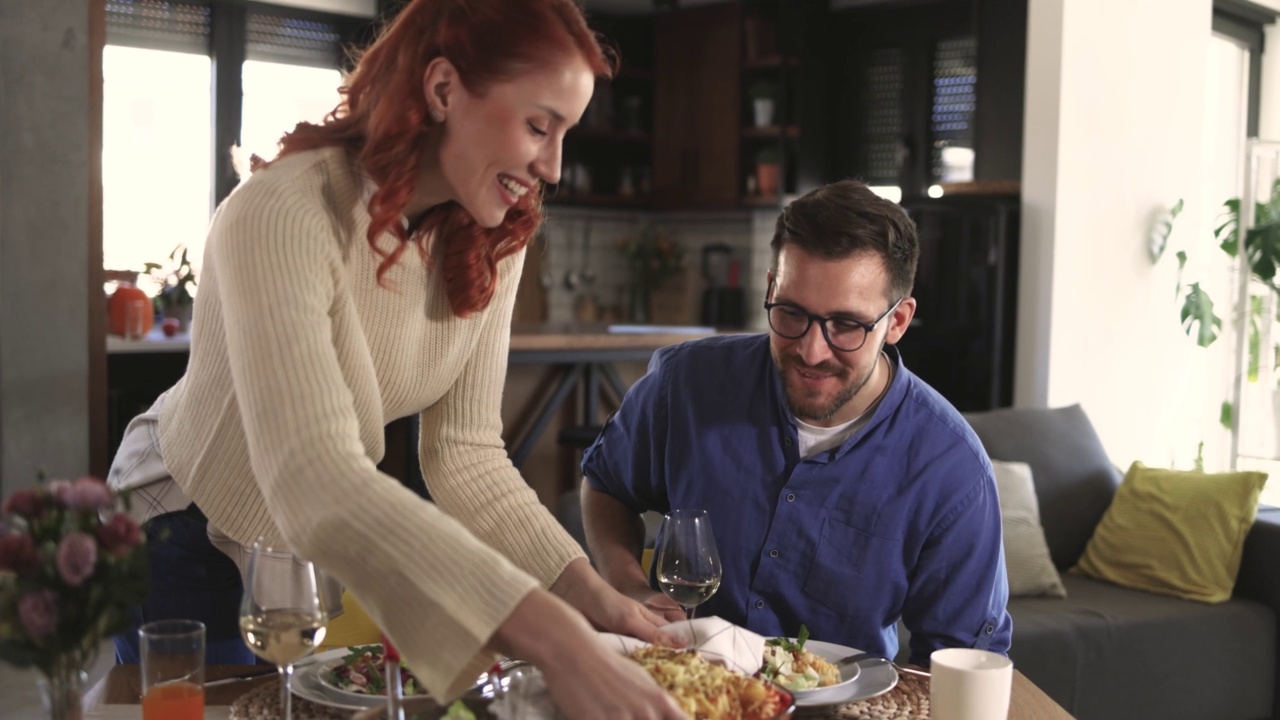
column 533, row 339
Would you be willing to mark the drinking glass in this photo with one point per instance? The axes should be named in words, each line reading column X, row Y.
column 687, row 562
column 172, row 669
column 282, row 618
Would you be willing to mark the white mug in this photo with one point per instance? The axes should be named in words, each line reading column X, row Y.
column 969, row 684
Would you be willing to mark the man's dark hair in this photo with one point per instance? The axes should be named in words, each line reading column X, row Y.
column 844, row 218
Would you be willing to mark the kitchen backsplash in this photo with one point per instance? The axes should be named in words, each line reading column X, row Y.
column 585, row 278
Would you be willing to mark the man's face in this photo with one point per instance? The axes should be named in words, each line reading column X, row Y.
column 821, row 382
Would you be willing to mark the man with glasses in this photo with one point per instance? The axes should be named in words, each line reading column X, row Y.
column 844, row 493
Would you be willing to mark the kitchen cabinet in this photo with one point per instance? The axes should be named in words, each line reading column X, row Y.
column 696, row 97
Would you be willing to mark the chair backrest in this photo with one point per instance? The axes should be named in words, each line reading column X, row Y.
column 1074, row 478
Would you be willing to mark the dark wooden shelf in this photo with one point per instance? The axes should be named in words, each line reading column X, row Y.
column 771, row 131
column 771, row 61
column 600, row 200
column 590, row 133
column 629, row 73
column 759, row 201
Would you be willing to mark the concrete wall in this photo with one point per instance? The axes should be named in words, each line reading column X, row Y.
column 44, row 239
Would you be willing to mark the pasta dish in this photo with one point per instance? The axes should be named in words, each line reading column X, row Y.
column 706, row 691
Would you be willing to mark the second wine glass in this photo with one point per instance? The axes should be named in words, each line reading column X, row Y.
column 686, row 560
column 282, row 618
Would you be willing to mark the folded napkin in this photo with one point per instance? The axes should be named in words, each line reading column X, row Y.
column 716, row 639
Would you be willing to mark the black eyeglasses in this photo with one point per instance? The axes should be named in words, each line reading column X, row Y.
column 791, row 321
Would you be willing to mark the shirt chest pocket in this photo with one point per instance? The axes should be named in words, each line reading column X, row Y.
column 852, row 567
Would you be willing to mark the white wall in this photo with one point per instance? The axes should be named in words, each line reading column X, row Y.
column 1113, row 133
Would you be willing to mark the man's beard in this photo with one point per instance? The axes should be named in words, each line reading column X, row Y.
column 818, row 409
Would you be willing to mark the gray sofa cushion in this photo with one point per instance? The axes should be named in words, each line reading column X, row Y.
column 1111, row 652
column 1074, row 479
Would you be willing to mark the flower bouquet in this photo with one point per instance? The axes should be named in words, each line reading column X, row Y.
column 71, row 569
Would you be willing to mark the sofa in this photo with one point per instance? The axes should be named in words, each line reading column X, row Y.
column 1106, row 651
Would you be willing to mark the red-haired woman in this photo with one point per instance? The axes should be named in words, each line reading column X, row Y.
column 366, row 273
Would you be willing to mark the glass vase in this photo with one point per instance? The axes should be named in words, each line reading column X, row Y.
column 62, row 688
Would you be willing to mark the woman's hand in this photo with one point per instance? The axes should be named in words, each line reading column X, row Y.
column 586, row 679
column 639, row 616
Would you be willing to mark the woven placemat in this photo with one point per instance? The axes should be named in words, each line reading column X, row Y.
column 263, row 703
column 908, row 700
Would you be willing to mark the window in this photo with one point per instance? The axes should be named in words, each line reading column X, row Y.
column 171, row 114
column 1233, row 91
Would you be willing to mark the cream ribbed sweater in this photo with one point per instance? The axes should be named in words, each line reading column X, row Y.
column 298, row 361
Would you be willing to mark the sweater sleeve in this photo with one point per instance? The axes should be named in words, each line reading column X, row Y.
column 436, row 589
column 464, row 461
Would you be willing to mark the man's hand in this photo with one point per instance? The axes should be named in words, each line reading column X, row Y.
column 656, row 602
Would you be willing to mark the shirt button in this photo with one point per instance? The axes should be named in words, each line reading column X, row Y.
column 791, row 497
column 787, row 442
column 759, row 604
column 989, row 629
column 773, row 553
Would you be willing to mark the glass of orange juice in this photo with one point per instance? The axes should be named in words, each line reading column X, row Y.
column 172, row 670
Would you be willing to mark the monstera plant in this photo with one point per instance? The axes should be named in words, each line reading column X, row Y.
column 1262, row 253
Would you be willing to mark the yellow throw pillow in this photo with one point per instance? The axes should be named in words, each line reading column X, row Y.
column 1175, row 532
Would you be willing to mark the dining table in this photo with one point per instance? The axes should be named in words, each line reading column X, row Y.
column 116, row 697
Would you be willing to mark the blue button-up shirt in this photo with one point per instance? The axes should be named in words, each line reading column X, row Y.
column 900, row 521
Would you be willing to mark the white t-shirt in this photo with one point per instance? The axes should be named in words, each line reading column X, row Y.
column 814, row 440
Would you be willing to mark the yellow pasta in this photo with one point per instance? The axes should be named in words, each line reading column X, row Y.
column 706, row 691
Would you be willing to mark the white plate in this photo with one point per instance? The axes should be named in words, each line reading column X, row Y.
column 306, row 684
column 873, row 680
column 322, row 676
column 848, row 674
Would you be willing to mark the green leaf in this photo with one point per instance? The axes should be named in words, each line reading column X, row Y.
column 1224, row 415
column 1198, row 316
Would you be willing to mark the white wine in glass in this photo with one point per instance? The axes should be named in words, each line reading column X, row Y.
column 686, row 559
column 282, row 618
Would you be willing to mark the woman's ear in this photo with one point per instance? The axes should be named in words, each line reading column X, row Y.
column 439, row 82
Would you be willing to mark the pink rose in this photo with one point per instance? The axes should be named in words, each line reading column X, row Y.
column 18, row 553
column 119, row 535
column 28, row 503
column 38, row 611
column 76, row 556
column 87, row 493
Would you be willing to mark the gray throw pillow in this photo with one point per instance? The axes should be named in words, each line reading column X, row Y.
column 1074, row 479
column 1026, row 554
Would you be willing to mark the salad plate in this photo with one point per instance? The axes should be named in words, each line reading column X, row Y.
column 793, row 664
column 306, row 684
column 872, row 680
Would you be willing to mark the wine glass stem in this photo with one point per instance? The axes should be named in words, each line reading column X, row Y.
column 286, row 694
column 691, row 610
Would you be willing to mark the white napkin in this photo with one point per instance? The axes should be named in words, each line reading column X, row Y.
column 717, row 639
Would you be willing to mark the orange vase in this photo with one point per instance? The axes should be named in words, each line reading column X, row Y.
column 128, row 304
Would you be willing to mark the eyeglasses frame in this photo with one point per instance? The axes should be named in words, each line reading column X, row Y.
column 867, row 328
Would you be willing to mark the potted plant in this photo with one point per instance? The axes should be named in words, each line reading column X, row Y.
column 764, row 98
column 652, row 258
column 176, row 281
column 768, row 170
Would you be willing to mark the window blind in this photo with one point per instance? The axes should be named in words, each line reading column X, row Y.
column 159, row 25
column 883, row 117
column 955, row 72
column 293, row 40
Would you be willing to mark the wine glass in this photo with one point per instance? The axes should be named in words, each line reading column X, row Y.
column 282, row 617
column 687, row 562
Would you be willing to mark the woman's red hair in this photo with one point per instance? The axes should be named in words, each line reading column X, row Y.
column 383, row 121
